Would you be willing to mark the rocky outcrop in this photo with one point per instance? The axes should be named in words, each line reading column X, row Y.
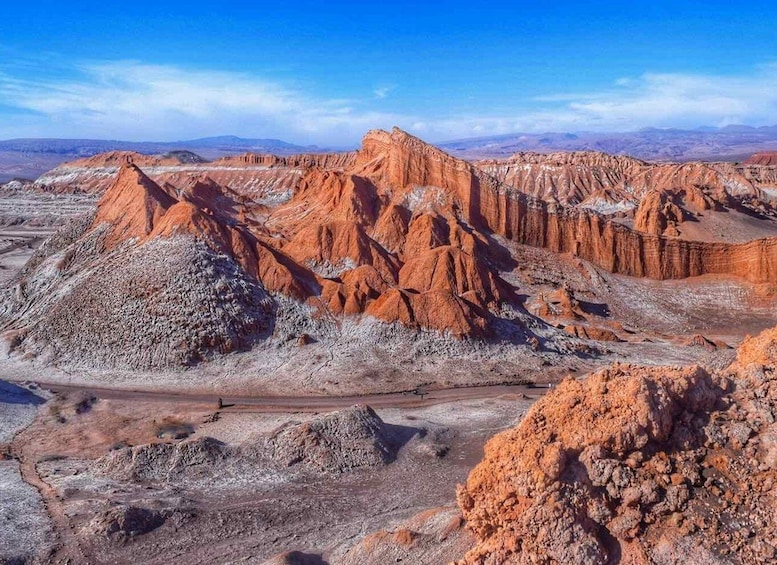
column 568, row 178
column 162, row 461
column 260, row 176
column 335, row 443
column 592, row 332
column 638, row 465
column 488, row 205
column 658, row 215
column 126, row 521
column 571, row 178
column 339, row 442
column 132, row 206
column 432, row 536
column 612, row 246
column 120, row 158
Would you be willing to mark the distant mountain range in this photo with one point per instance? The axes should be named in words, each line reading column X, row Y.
column 210, row 147
column 730, row 143
column 29, row 158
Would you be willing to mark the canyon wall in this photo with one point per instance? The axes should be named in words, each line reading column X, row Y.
column 609, row 245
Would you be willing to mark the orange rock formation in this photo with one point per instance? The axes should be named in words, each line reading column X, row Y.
column 768, row 158
column 401, row 231
column 636, row 465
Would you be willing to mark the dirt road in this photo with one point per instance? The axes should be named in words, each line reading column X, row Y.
column 415, row 398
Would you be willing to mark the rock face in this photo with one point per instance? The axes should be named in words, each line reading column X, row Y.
column 571, row 178
column 638, row 465
column 568, row 178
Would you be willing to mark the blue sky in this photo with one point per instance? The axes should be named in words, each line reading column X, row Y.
column 325, row 72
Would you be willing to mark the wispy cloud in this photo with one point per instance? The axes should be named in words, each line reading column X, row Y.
column 649, row 100
column 133, row 100
column 383, row 91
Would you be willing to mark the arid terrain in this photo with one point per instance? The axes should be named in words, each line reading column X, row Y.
column 297, row 359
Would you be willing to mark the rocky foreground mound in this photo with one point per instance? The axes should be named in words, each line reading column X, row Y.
column 335, row 443
column 636, row 465
column 338, row 442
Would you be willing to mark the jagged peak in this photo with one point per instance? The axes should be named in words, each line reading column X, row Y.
column 131, row 180
column 399, row 138
column 398, row 160
column 131, row 205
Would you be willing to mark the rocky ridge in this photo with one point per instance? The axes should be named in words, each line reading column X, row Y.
column 399, row 231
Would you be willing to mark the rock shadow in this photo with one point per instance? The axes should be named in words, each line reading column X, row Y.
column 11, row 393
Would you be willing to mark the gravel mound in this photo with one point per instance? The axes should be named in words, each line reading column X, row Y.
column 126, row 521
column 296, row 558
column 349, row 439
column 163, row 461
column 169, row 302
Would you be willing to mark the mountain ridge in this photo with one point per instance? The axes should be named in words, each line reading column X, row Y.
column 400, row 234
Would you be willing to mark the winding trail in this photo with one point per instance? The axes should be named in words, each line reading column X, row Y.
column 65, row 547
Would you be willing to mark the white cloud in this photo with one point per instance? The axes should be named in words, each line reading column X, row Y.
column 131, row 100
column 651, row 100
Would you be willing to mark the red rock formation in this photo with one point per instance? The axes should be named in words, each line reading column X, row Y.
column 434, row 309
column 592, row 332
column 401, row 231
column 136, row 208
column 450, row 269
column 570, row 178
column 560, row 304
column 699, row 340
column 636, row 465
column 764, row 158
column 334, row 247
column 657, row 214
column 132, row 206
column 305, row 160
column 612, row 246
column 121, row 158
